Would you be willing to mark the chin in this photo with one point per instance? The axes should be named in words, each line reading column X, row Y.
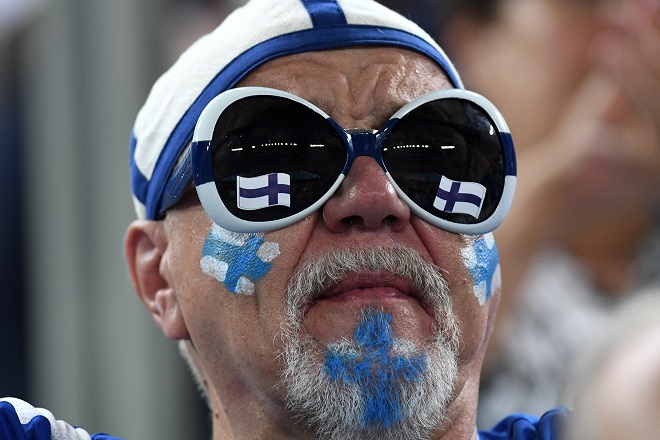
column 373, row 385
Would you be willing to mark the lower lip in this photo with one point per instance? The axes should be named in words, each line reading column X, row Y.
column 373, row 296
column 332, row 318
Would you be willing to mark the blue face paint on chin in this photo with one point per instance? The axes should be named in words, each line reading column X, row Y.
column 483, row 263
column 376, row 369
column 237, row 260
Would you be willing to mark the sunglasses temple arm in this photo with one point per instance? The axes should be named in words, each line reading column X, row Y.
column 178, row 182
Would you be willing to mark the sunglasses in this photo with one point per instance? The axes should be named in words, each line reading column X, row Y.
column 263, row 159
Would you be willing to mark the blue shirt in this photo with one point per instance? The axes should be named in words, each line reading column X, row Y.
column 21, row 421
column 527, row 427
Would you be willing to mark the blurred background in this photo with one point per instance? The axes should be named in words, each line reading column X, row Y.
column 73, row 335
column 577, row 80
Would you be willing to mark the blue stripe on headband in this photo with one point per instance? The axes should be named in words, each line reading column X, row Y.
column 324, row 13
column 139, row 183
column 331, row 37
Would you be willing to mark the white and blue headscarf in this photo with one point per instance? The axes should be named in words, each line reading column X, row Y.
column 252, row 35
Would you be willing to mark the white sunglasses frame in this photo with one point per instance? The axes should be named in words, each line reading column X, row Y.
column 218, row 212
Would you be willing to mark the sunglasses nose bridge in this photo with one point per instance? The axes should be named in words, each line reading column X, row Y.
column 364, row 142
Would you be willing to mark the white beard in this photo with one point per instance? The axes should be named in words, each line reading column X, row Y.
column 338, row 409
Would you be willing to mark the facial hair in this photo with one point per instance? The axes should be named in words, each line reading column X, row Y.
column 335, row 410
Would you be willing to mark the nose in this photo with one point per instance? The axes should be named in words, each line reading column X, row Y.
column 365, row 199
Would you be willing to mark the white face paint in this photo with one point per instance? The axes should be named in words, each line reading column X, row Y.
column 483, row 263
column 238, row 260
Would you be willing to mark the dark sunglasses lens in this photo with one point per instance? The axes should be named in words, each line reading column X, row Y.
column 446, row 155
column 273, row 157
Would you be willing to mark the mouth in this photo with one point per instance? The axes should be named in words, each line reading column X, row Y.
column 371, row 289
column 335, row 312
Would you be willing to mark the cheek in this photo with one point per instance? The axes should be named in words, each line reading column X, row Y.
column 483, row 264
column 237, row 260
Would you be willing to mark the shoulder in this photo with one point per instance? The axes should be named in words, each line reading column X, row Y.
column 21, row 421
column 528, row 427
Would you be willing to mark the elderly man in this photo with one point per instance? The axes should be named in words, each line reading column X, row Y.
column 316, row 193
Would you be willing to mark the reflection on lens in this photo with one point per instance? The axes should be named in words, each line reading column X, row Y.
column 267, row 138
column 441, row 154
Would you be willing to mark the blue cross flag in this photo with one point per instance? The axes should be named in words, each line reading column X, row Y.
column 235, row 259
column 377, row 370
column 263, row 191
column 460, row 197
column 482, row 261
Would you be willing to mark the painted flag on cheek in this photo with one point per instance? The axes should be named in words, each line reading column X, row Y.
column 460, row 197
column 263, row 191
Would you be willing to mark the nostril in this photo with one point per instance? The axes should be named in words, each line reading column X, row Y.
column 352, row 220
column 389, row 220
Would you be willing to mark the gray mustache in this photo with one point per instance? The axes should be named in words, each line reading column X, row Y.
column 316, row 275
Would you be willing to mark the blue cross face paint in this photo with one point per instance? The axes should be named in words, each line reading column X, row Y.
column 483, row 264
column 237, row 260
column 376, row 369
column 374, row 378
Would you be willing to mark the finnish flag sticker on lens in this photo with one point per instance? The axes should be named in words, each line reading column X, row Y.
column 460, row 197
column 263, row 191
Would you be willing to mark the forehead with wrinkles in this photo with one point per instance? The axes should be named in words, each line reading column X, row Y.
column 362, row 86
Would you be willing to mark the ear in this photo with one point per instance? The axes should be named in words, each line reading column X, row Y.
column 145, row 245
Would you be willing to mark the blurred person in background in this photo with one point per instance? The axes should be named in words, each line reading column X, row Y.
column 616, row 389
column 579, row 83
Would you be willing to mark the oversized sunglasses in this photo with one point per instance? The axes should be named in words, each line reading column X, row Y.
column 263, row 159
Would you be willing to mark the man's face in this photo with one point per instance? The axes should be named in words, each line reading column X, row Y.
column 247, row 335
